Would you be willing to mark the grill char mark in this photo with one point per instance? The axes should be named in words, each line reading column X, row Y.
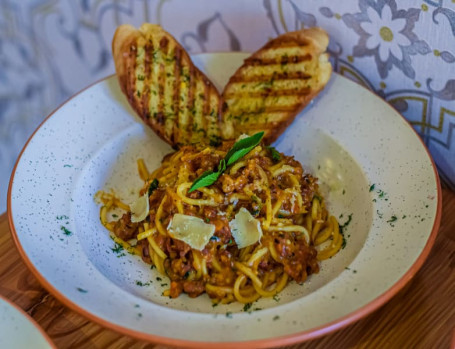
column 299, row 75
column 130, row 68
column 286, row 42
column 176, row 97
column 206, row 104
column 256, row 61
column 269, row 93
column 268, row 110
column 191, row 97
column 160, row 118
column 148, row 62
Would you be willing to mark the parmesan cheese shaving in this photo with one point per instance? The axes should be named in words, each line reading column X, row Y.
column 245, row 229
column 140, row 209
column 192, row 230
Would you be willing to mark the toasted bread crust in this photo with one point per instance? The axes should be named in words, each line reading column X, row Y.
column 275, row 83
column 164, row 87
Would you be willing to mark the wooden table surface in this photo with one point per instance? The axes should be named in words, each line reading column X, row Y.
column 422, row 315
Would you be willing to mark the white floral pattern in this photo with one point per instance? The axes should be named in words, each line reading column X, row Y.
column 385, row 33
column 402, row 50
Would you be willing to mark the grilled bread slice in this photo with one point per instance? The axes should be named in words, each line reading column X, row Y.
column 275, row 83
column 164, row 87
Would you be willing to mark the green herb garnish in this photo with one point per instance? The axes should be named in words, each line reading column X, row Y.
column 206, row 179
column 381, row 193
column 316, row 196
column 65, row 230
column 392, row 219
column 343, row 226
column 239, row 150
column 153, row 186
column 276, row 156
column 343, row 244
column 247, row 306
column 243, row 147
column 117, row 248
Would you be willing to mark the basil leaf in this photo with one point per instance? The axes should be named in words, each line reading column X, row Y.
column 206, row 179
column 243, row 147
column 153, row 186
column 222, row 166
column 239, row 149
column 276, row 156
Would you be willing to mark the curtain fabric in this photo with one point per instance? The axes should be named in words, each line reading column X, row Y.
column 404, row 51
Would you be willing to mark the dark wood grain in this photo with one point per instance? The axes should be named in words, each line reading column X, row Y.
column 422, row 315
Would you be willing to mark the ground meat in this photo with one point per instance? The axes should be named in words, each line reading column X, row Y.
column 210, row 212
column 180, row 267
column 174, row 246
column 227, row 184
column 144, row 246
column 299, row 260
column 195, row 195
column 176, row 289
column 224, row 233
column 225, row 258
column 124, row 228
column 193, row 288
column 234, row 184
column 309, row 187
column 161, row 241
column 204, row 162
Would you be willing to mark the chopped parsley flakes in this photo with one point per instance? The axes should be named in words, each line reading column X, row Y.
column 247, row 306
column 117, row 248
column 276, row 156
column 392, row 220
column 65, row 230
column 140, row 283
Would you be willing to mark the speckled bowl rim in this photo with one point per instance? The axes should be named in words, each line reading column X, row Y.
column 30, row 320
column 306, row 335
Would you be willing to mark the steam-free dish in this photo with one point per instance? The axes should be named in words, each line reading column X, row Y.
column 237, row 222
column 372, row 177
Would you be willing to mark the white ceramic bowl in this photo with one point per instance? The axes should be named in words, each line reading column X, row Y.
column 371, row 164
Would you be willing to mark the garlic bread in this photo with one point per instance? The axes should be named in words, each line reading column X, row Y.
column 164, row 87
column 275, row 83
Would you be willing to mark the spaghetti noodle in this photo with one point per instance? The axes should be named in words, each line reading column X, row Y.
column 297, row 230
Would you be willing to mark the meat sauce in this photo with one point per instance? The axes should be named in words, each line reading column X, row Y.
column 296, row 258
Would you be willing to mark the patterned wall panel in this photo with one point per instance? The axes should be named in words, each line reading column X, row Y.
column 402, row 50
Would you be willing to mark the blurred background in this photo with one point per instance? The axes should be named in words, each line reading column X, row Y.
column 403, row 50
